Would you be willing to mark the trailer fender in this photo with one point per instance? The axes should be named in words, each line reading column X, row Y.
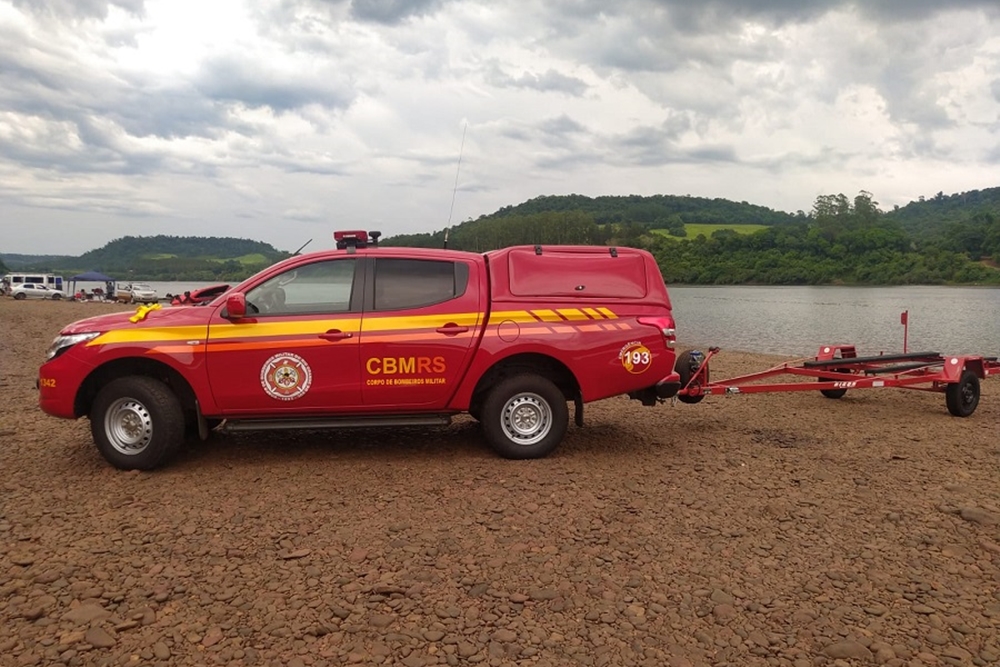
column 954, row 366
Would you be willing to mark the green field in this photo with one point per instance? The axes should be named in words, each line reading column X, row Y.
column 246, row 260
column 253, row 258
column 693, row 230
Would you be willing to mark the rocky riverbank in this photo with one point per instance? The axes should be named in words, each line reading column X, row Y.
column 782, row 529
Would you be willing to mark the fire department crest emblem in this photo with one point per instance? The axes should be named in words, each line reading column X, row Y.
column 285, row 376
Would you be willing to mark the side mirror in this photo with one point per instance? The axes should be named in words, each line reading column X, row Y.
column 236, row 306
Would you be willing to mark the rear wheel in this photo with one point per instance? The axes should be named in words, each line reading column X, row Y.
column 962, row 397
column 137, row 423
column 19, row 296
column 524, row 417
column 56, row 297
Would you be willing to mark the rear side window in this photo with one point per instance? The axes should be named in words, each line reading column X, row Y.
column 402, row 284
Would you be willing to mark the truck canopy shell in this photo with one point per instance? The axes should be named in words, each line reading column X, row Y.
column 575, row 272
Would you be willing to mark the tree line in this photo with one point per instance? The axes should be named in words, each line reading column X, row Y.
column 841, row 240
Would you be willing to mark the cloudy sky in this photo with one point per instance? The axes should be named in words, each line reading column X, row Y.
column 282, row 120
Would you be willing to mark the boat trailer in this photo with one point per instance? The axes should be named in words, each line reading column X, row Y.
column 838, row 368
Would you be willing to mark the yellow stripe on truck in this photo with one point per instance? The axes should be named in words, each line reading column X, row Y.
column 149, row 335
column 420, row 321
column 572, row 314
column 268, row 329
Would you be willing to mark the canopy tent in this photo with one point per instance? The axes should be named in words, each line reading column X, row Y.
column 94, row 277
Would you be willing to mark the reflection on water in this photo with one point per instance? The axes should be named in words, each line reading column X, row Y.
column 797, row 320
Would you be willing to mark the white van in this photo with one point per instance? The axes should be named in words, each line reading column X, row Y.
column 50, row 280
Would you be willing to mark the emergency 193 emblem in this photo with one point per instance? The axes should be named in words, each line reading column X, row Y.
column 635, row 357
column 285, row 376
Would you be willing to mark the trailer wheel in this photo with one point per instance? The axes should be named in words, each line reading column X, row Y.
column 962, row 397
column 524, row 417
column 833, row 393
column 686, row 365
column 137, row 423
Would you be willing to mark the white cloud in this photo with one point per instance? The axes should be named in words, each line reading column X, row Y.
column 282, row 120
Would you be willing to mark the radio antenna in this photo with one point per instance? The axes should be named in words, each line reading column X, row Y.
column 454, row 191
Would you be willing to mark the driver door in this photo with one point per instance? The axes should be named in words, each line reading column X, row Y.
column 298, row 348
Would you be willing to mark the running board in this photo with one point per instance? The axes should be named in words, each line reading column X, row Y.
column 332, row 422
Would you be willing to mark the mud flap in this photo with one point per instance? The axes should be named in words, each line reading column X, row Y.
column 202, row 422
column 578, row 410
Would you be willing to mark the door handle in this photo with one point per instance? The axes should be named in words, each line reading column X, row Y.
column 335, row 334
column 451, row 329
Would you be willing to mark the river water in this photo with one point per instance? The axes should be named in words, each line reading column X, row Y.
column 798, row 320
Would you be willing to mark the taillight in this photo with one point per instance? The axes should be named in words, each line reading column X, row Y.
column 665, row 324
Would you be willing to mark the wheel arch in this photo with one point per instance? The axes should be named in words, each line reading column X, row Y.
column 527, row 362
column 127, row 366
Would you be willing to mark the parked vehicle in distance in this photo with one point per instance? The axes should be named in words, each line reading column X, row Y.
column 11, row 280
column 136, row 293
column 198, row 297
column 35, row 291
column 367, row 335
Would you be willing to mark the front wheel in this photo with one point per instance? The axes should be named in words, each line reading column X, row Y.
column 524, row 417
column 962, row 397
column 137, row 423
column 56, row 297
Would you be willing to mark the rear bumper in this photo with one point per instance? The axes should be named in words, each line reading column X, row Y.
column 665, row 388
column 668, row 386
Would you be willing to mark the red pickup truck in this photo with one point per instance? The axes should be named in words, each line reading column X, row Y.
column 369, row 335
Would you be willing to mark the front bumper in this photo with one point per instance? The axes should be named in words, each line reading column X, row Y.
column 57, row 383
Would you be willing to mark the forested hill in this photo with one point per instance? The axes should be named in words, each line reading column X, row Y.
column 164, row 258
column 842, row 240
column 930, row 217
column 589, row 219
column 123, row 252
column 655, row 210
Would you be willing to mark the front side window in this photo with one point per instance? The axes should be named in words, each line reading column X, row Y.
column 322, row 287
column 415, row 283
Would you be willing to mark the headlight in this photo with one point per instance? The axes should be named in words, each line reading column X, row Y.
column 62, row 343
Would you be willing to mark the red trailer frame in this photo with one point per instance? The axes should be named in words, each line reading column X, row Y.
column 955, row 376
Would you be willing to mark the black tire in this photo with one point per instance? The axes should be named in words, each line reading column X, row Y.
column 686, row 365
column 833, row 393
column 19, row 296
column 137, row 423
column 56, row 297
column 524, row 417
column 962, row 397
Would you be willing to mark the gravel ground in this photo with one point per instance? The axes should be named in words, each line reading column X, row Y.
column 780, row 529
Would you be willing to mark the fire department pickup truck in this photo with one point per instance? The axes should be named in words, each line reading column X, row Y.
column 369, row 335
